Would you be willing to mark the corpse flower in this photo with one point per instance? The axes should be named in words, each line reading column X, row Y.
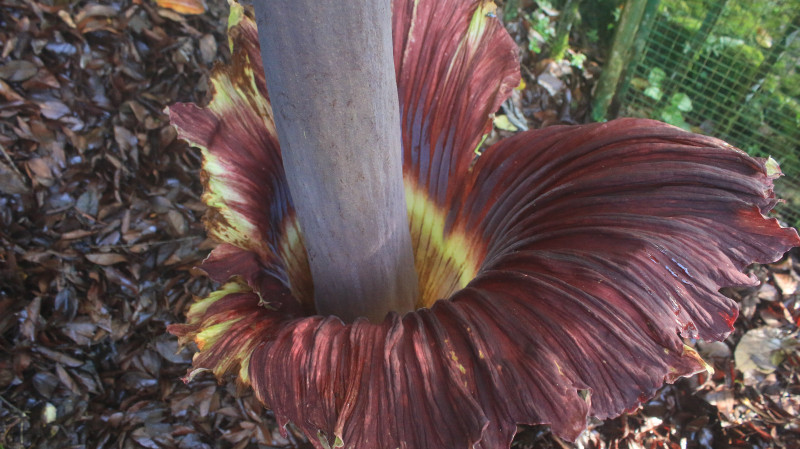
column 558, row 272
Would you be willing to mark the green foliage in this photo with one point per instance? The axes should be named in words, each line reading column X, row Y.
column 783, row 114
column 654, row 80
column 789, row 69
column 718, row 75
column 592, row 36
column 685, row 9
column 671, row 111
column 541, row 31
column 725, row 74
column 598, row 20
column 615, row 13
column 510, row 10
column 744, row 20
column 576, row 59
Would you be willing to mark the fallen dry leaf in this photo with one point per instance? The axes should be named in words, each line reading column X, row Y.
column 184, row 6
column 16, row 71
column 760, row 350
column 787, row 282
column 10, row 94
column 106, row 258
column 54, row 109
column 10, row 181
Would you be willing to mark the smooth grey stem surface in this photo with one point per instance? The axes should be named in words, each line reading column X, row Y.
column 330, row 74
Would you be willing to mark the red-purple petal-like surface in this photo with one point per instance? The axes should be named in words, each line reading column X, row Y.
column 455, row 65
column 393, row 384
column 230, row 323
column 609, row 240
column 245, row 186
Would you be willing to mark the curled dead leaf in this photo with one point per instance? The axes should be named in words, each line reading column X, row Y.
column 176, row 222
column 59, row 357
column 10, row 181
column 106, row 258
column 64, row 15
column 95, row 10
column 125, row 139
column 40, row 170
column 10, row 94
column 16, row 71
column 54, row 109
column 714, row 349
column 761, row 350
column 787, row 282
column 184, row 6
column 208, row 48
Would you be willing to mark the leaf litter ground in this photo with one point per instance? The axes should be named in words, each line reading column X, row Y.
column 100, row 226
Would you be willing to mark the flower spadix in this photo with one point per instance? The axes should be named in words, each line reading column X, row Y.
column 564, row 261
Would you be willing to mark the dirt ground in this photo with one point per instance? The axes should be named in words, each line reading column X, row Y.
column 100, row 226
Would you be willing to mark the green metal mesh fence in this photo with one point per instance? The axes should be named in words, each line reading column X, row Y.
column 729, row 69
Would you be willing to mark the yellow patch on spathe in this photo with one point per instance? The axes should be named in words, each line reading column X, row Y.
column 221, row 327
column 232, row 98
column 198, row 309
column 445, row 262
column 227, row 226
column 477, row 26
column 292, row 252
column 691, row 352
column 240, row 95
column 454, row 357
column 211, row 334
column 234, row 18
column 244, row 363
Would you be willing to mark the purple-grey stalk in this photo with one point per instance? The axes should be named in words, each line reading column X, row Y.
column 330, row 73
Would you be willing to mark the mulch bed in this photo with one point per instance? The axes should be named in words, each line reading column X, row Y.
column 100, row 226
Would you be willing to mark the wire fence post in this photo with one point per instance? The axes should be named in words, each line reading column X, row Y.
column 620, row 50
column 648, row 17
